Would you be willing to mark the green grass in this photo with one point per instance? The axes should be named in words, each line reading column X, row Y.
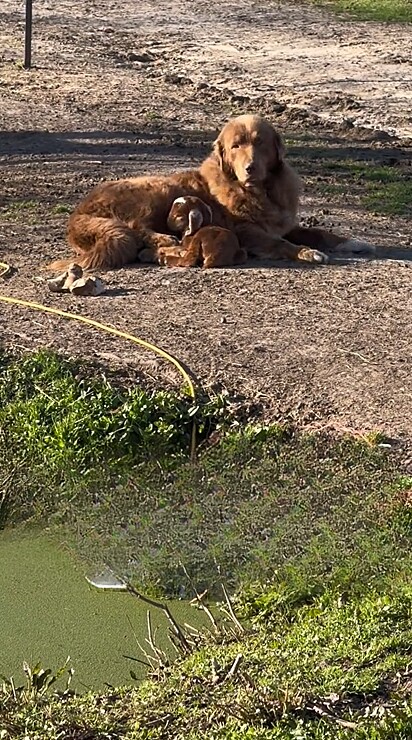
column 376, row 10
column 61, row 208
column 27, row 210
column 311, row 533
column 30, row 211
column 108, row 467
column 50, row 414
column 302, row 673
column 380, row 189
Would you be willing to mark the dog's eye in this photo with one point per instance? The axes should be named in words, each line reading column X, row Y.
column 235, row 146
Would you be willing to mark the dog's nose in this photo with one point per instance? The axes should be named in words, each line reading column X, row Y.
column 249, row 168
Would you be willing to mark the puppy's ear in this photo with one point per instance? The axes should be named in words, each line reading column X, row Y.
column 195, row 222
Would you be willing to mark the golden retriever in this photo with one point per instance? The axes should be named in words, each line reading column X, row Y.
column 202, row 243
column 246, row 182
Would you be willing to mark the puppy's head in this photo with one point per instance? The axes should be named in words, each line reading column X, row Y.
column 249, row 149
column 187, row 215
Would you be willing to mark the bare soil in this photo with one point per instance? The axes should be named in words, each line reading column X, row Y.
column 143, row 87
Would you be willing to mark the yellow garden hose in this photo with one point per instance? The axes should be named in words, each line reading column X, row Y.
column 4, row 269
column 117, row 333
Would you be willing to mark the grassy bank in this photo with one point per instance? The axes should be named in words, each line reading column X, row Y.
column 310, row 533
column 335, row 667
column 376, row 10
column 107, row 468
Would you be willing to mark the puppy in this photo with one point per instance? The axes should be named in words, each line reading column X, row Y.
column 202, row 243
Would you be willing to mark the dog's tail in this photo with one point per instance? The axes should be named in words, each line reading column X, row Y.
column 99, row 243
column 59, row 265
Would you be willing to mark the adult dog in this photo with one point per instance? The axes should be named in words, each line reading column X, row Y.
column 246, row 181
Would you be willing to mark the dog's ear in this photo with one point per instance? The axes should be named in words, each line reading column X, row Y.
column 278, row 148
column 219, row 152
column 195, row 221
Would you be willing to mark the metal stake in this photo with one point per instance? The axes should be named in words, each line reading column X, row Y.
column 27, row 42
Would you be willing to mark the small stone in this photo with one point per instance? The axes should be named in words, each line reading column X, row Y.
column 74, row 272
column 143, row 57
column 56, row 285
column 63, row 282
column 90, row 286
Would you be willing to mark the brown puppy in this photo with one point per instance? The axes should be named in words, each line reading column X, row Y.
column 202, row 244
column 247, row 183
column 187, row 215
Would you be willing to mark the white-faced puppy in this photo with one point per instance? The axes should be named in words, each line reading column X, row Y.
column 187, row 215
column 202, row 244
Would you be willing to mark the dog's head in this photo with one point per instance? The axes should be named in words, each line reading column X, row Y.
column 249, row 150
column 187, row 215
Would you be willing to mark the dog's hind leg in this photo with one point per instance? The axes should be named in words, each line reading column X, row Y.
column 192, row 254
column 100, row 242
column 321, row 239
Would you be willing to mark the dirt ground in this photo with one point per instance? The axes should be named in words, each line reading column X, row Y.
column 143, row 87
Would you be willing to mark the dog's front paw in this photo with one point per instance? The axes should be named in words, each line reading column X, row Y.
column 357, row 245
column 164, row 241
column 313, row 255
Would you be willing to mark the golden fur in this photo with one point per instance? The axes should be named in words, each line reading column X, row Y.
column 246, row 182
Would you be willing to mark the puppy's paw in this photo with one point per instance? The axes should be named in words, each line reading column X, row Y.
column 313, row 255
column 354, row 246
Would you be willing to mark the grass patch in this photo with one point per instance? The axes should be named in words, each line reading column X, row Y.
column 375, row 10
column 53, row 414
column 309, row 511
column 28, row 210
column 380, row 189
column 61, row 208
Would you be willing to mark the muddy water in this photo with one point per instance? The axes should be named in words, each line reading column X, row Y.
column 48, row 612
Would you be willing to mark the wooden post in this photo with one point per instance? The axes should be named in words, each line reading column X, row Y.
column 27, row 42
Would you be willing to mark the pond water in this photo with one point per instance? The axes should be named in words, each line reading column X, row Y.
column 48, row 611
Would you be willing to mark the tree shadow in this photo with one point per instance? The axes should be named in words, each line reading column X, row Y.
column 107, row 145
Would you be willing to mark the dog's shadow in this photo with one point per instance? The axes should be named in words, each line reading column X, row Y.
column 382, row 254
column 118, row 292
column 401, row 254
